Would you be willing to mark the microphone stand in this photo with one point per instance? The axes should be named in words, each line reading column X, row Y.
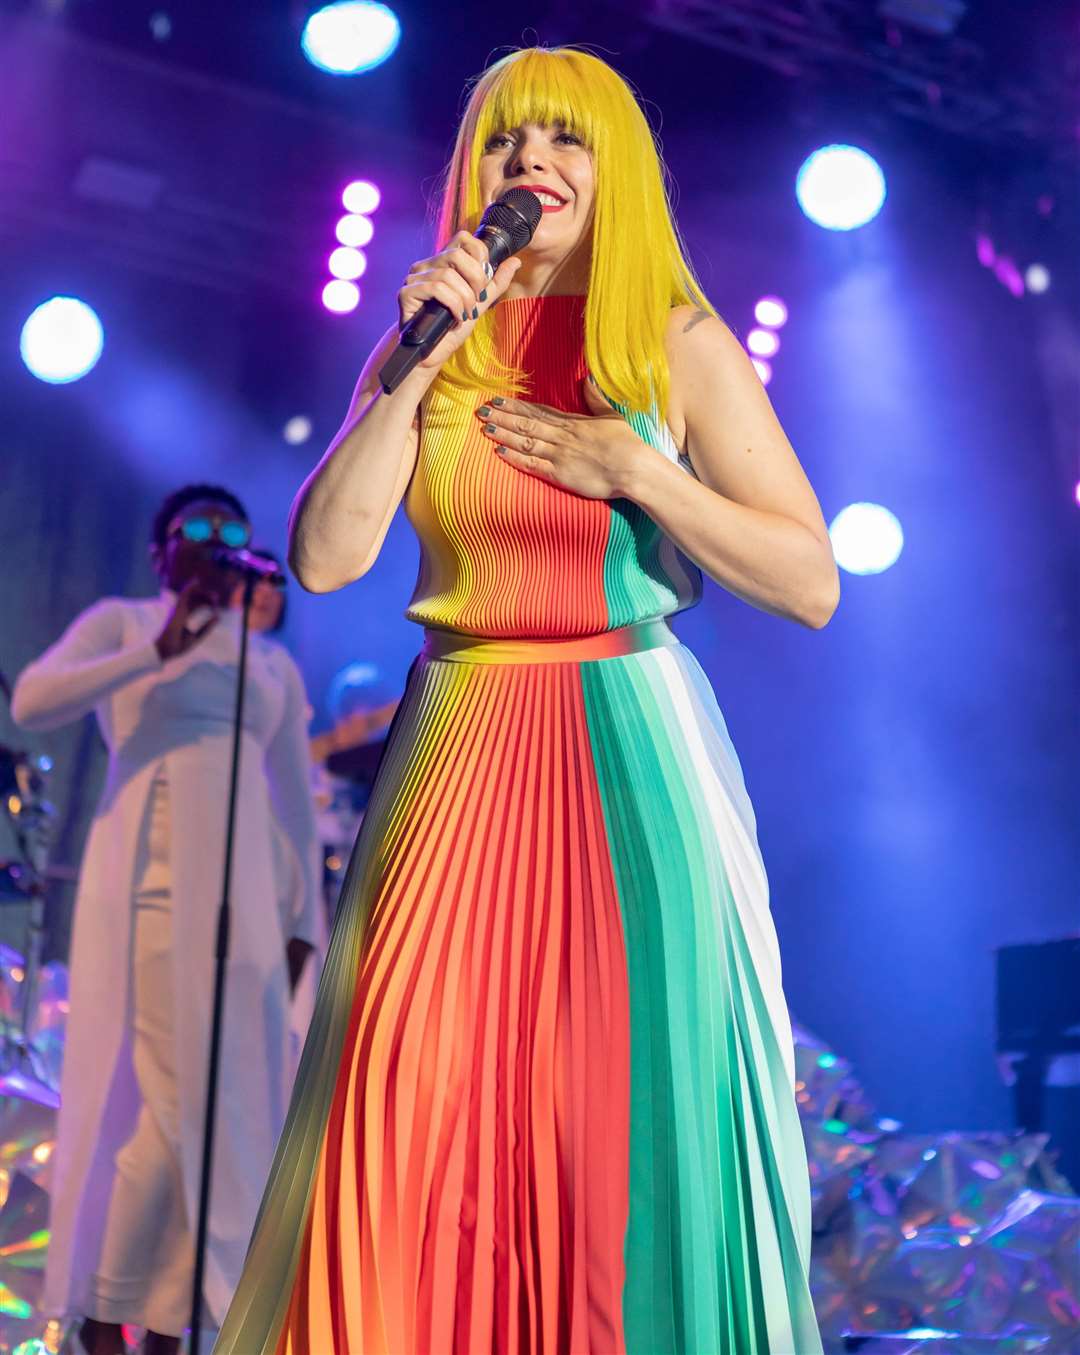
column 221, row 954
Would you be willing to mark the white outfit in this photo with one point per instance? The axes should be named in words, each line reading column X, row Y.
column 142, row 951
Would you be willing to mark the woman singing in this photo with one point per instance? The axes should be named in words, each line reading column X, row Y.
column 547, row 1101
column 160, row 674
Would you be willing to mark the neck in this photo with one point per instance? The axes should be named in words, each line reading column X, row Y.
column 541, row 276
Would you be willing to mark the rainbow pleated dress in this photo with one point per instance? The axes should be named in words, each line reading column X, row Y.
column 546, row 1105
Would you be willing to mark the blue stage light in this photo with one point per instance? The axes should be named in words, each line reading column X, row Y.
column 62, row 340
column 350, row 37
column 840, row 187
column 866, row 538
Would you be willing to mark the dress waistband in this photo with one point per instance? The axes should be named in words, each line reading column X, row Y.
column 609, row 644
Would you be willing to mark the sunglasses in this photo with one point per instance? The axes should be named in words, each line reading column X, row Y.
column 230, row 532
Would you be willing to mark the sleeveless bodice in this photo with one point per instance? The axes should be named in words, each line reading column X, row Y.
column 504, row 553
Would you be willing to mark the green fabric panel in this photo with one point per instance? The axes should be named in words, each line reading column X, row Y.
column 713, row 1263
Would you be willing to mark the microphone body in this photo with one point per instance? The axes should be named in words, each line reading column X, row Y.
column 506, row 227
column 246, row 562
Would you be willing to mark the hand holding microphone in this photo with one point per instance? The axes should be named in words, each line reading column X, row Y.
column 445, row 295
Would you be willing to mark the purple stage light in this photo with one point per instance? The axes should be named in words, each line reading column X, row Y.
column 355, row 231
column 985, row 251
column 1007, row 273
column 772, row 312
column 361, row 197
column 763, row 369
column 1078, row 493
column 347, row 263
column 763, row 343
column 341, row 296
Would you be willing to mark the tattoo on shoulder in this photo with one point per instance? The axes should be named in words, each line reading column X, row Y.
column 695, row 319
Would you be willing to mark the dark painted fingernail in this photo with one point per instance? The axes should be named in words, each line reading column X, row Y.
column 475, row 312
column 498, row 400
column 489, row 428
column 483, row 295
column 500, row 449
column 484, row 411
column 464, row 315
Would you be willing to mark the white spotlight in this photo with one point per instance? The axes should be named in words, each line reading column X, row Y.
column 361, row 197
column 771, row 312
column 1037, row 277
column 840, row 187
column 62, row 340
column 341, row 296
column 297, row 430
column 347, row 263
column 866, row 538
column 763, row 343
column 355, row 231
column 350, row 37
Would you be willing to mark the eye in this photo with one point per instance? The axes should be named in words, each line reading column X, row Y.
column 496, row 140
column 570, row 138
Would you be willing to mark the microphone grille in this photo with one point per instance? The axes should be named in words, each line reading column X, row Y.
column 518, row 213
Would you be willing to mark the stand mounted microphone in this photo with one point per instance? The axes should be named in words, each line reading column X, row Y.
column 506, row 227
column 247, row 562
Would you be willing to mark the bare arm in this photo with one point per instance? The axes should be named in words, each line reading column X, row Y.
column 343, row 511
column 753, row 523
column 344, row 508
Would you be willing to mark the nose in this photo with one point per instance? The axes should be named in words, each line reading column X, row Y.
column 530, row 155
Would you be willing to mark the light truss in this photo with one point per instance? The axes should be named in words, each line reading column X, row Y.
column 945, row 81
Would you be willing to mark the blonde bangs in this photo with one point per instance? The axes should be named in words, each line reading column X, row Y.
column 639, row 270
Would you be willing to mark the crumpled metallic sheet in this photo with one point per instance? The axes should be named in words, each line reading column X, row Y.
column 24, row 1237
column 49, row 1021
column 27, row 1138
column 932, row 1242
column 930, row 1341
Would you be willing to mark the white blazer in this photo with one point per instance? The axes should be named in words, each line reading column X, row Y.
column 178, row 714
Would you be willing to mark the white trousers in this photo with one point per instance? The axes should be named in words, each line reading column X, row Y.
column 146, row 1268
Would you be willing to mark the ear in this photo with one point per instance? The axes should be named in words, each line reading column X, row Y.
column 596, row 402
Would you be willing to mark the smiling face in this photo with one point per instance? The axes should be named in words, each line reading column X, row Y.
column 552, row 162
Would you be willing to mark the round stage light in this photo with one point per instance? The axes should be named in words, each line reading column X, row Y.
column 772, row 312
column 62, row 340
column 866, row 538
column 840, row 187
column 297, row 430
column 341, row 296
column 763, row 369
column 1037, row 277
column 350, row 37
column 763, row 343
column 356, row 231
column 361, row 197
column 347, row 263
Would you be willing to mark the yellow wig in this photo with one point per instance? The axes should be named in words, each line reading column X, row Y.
column 639, row 268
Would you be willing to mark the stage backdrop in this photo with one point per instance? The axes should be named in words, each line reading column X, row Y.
column 915, row 766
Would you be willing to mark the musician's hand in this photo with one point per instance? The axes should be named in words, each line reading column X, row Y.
column 175, row 638
column 296, row 953
column 455, row 276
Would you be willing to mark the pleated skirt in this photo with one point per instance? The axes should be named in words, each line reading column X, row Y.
column 546, row 1105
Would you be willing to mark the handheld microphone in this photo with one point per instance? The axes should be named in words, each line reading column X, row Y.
column 246, row 562
column 506, row 227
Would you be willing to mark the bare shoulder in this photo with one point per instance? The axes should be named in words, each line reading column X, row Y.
column 700, row 350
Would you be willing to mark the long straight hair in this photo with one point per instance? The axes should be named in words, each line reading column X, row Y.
column 639, row 269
